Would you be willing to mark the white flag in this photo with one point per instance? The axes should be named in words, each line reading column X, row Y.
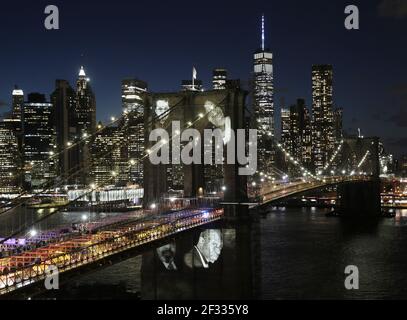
column 194, row 74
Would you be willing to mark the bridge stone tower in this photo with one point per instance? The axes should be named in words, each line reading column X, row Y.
column 362, row 199
column 187, row 107
column 357, row 149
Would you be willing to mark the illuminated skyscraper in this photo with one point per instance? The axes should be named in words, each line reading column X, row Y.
column 263, row 105
column 323, row 128
column 296, row 134
column 286, row 129
column 84, row 123
column 307, row 141
column 39, row 141
column 133, row 109
column 219, row 79
column 64, row 101
column 297, row 120
column 338, row 121
column 132, row 95
column 85, row 111
column 18, row 103
column 9, row 169
column 109, row 165
column 15, row 123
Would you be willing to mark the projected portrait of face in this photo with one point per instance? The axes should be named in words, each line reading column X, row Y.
column 210, row 244
column 166, row 254
column 162, row 106
column 207, row 251
column 218, row 119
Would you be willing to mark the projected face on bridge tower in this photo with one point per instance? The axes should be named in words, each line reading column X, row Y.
column 218, row 119
column 162, row 106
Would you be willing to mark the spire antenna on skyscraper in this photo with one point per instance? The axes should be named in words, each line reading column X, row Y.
column 263, row 37
column 82, row 72
column 263, row 103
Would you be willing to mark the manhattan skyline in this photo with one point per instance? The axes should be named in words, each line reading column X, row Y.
column 368, row 63
column 214, row 150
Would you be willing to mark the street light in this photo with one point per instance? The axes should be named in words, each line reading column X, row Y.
column 33, row 233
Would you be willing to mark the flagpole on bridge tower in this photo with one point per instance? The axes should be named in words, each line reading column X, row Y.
column 194, row 77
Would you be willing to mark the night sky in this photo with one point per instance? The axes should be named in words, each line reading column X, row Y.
column 160, row 41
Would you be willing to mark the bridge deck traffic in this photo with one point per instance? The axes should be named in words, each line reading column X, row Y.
column 274, row 193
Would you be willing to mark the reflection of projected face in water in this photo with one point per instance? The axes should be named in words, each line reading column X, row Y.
column 207, row 250
column 166, row 254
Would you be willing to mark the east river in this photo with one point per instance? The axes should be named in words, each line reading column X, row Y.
column 284, row 254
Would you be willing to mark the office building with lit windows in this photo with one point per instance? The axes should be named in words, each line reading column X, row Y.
column 323, row 126
column 39, row 142
column 219, row 79
column 306, row 157
column 133, row 125
column 64, row 100
column 85, row 111
column 15, row 124
column 9, row 170
column 296, row 133
column 286, row 128
column 84, row 124
column 109, row 164
column 18, row 103
column 338, row 124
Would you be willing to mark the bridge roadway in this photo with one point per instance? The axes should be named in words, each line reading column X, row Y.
column 274, row 193
column 30, row 267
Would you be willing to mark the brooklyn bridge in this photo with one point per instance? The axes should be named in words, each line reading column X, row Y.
column 31, row 244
